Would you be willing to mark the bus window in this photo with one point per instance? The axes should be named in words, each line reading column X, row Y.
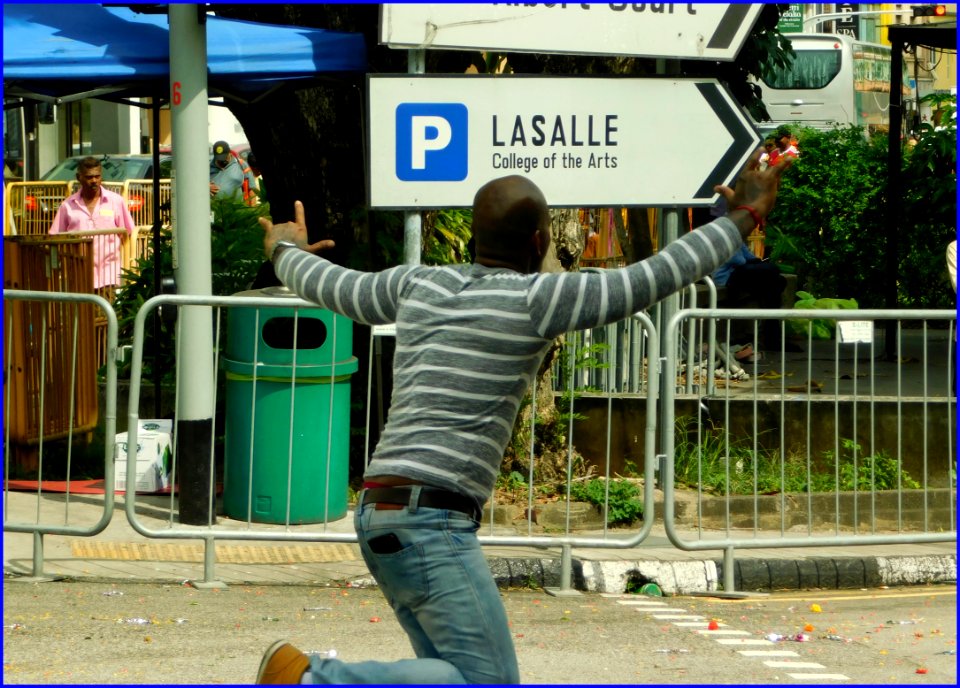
column 810, row 69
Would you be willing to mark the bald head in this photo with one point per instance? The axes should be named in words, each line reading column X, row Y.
column 511, row 224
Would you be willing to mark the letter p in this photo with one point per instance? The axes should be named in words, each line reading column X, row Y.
column 431, row 142
column 428, row 133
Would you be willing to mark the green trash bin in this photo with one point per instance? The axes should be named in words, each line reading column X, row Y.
column 265, row 393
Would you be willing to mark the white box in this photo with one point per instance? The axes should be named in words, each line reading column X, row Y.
column 154, row 451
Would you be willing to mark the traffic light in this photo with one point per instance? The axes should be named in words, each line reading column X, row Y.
column 929, row 10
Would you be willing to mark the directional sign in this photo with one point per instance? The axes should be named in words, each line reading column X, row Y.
column 705, row 31
column 434, row 140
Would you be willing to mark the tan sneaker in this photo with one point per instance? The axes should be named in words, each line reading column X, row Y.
column 282, row 663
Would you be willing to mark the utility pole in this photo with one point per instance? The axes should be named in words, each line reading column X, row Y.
column 191, row 256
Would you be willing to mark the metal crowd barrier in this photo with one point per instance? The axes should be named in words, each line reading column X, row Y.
column 218, row 527
column 139, row 195
column 586, row 367
column 862, row 484
column 29, row 209
column 57, row 372
column 860, row 411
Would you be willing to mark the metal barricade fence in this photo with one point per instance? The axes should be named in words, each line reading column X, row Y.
column 60, row 377
column 139, row 195
column 261, row 377
column 803, row 454
column 286, row 528
column 754, row 520
column 59, row 265
column 29, row 207
column 626, row 343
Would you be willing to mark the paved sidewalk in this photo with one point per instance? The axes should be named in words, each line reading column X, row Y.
column 120, row 553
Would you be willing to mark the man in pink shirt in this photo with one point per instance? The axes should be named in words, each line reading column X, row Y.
column 94, row 207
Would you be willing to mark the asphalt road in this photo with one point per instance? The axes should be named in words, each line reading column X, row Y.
column 104, row 633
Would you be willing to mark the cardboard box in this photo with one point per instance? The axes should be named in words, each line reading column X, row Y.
column 154, row 453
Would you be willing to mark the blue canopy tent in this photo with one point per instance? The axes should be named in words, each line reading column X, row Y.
column 64, row 53
column 61, row 53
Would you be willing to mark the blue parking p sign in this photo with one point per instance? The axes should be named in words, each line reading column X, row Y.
column 431, row 142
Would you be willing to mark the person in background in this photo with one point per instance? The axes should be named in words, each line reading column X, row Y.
column 470, row 339
column 952, row 272
column 769, row 146
column 952, row 263
column 259, row 188
column 591, row 247
column 785, row 146
column 94, row 207
column 230, row 176
column 751, row 281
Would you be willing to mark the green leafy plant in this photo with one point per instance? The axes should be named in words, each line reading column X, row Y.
column 830, row 223
column 575, row 359
column 818, row 328
column 624, row 499
column 446, row 234
column 236, row 254
column 512, row 486
column 875, row 472
column 718, row 463
column 725, row 465
column 929, row 195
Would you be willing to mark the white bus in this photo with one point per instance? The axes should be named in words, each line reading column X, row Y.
column 833, row 81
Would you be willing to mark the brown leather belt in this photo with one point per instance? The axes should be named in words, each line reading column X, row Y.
column 431, row 497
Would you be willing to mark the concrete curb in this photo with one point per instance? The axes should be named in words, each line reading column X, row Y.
column 751, row 575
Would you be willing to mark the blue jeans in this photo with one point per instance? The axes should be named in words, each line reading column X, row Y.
column 440, row 587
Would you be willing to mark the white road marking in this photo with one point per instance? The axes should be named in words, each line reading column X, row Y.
column 685, row 618
column 694, row 624
column 786, row 664
column 641, row 603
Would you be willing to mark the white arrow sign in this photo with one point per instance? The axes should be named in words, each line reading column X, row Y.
column 433, row 141
column 704, row 31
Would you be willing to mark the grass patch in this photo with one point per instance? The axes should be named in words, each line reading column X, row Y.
column 721, row 464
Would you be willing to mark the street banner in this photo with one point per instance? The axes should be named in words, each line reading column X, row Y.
column 791, row 21
column 705, row 31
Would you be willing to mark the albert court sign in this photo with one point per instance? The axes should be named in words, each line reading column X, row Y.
column 705, row 31
column 434, row 140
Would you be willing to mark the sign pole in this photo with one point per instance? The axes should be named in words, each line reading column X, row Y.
column 412, row 220
column 668, row 229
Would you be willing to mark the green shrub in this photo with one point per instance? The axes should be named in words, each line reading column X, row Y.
column 236, row 254
column 830, row 223
column 724, row 465
column 625, row 503
column 875, row 472
column 819, row 328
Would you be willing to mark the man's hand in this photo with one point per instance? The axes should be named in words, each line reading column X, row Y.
column 295, row 232
column 754, row 188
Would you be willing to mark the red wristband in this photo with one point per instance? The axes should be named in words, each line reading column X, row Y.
column 757, row 220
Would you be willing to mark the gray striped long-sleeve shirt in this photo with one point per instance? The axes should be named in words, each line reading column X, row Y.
column 470, row 340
